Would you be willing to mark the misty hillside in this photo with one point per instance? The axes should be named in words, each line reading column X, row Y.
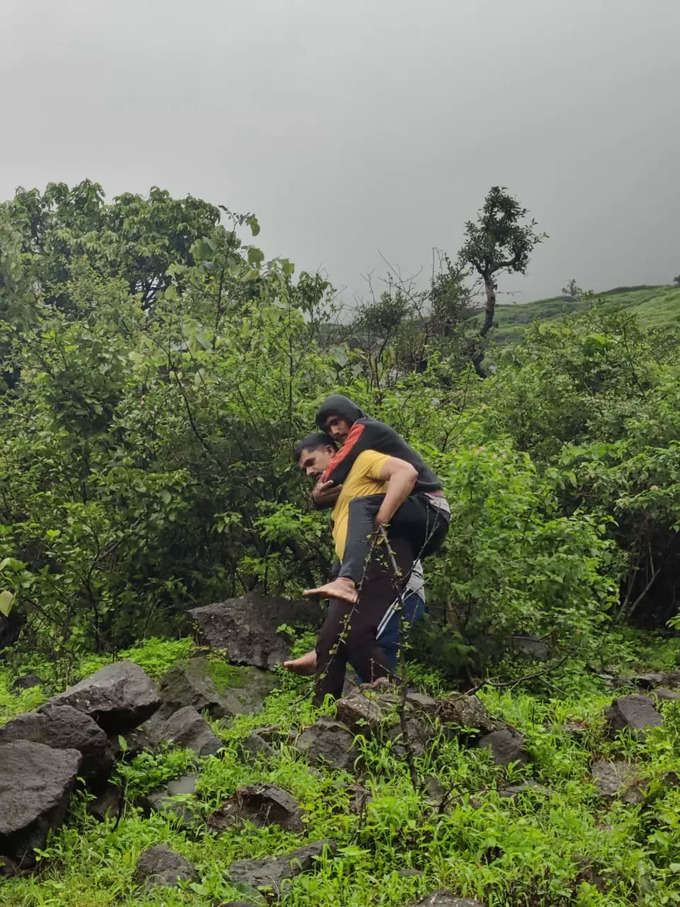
column 655, row 306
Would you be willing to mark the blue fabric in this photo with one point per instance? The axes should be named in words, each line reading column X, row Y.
column 414, row 609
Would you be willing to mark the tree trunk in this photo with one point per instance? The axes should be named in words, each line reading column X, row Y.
column 490, row 287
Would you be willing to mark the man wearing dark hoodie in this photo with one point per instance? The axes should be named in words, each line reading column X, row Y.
column 423, row 518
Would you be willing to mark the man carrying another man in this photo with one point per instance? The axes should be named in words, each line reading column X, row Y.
column 382, row 482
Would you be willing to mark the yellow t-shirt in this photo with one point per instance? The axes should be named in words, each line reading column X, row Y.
column 363, row 479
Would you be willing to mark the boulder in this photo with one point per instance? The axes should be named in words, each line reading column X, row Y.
column 526, row 787
column 119, row 697
column 637, row 713
column 506, row 745
column 63, row 727
column 255, row 745
column 531, row 647
column 191, row 683
column 618, row 779
column 246, row 627
column 108, row 804
column 261, row 804
column 421, row 702
column 360, row 713
column 26, row 682
column 272, row 871
column 161, row 866
column 328, row 741
column 666, row 694
column 167, row 800
column 188, row 729
column 35, row 786
column 416, row 734
column 649, row 680
column 444, row 898
column 465, row 712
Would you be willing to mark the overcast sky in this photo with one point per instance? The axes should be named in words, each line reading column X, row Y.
column 363, row 127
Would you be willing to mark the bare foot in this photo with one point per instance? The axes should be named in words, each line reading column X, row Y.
column 343, row 587
column 304, row 665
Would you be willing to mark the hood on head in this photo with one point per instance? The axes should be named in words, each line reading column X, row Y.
column 338, row 406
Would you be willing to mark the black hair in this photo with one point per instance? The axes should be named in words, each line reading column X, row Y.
column 312, row 442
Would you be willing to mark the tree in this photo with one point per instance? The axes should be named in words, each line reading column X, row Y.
column 133, row 238
column 498, row 241
column 572, row 289
column 676, row 280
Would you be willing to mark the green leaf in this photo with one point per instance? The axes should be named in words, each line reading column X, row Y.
column 6, row 602
column 254, row 224
column 255, row 256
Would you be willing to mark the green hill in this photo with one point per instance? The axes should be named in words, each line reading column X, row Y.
column 655, row 306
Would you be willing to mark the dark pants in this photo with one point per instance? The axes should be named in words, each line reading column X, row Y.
column 417, row 521
column 348, row 633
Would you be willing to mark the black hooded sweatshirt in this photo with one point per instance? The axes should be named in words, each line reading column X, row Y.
column 369, row 434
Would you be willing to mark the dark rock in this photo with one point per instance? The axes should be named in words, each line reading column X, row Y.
column 466, row 712
column 161, row 866
column 245, row 627
column 618, row 779
column 329, row 741
column 166, row 799
column 191, row 683
column 255, row 745
column 271, row 871
column 119, row 697
column 506, row 745
column 35, row 786
column 435, row 791
column 368, row 707
column 526, row 787
column 249, row 691
column 415, row 734
column 648, row 680
column 359, row 713
column 530, row 647
column 420, row 702
column 26, row 682
column 635, row 712
column 576, row 728
column 261, row 804
column 444, row 898
column 63, row 727
column 666, row 694
column 108, row 804
column 136, row 742
column 188, row 729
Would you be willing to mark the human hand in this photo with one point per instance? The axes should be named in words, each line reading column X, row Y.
column 325, row 494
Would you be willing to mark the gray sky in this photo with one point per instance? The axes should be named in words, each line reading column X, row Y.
column 363, row 127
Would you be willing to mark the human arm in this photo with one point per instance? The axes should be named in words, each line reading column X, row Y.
column 401, row 479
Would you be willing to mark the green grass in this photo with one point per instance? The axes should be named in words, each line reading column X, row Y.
column 562, row 845
column 655, row 307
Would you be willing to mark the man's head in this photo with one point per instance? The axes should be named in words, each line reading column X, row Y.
column 336, row 415
column 337, row 427
column 314, row 452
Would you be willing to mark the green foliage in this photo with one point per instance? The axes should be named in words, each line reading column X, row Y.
column 556, row 843
column 498, row 240
column 151, row 403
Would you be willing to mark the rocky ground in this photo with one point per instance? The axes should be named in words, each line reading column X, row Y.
column 412, row 783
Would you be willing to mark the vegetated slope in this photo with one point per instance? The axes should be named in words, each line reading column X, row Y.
column 655, row 307
column 539, row 832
